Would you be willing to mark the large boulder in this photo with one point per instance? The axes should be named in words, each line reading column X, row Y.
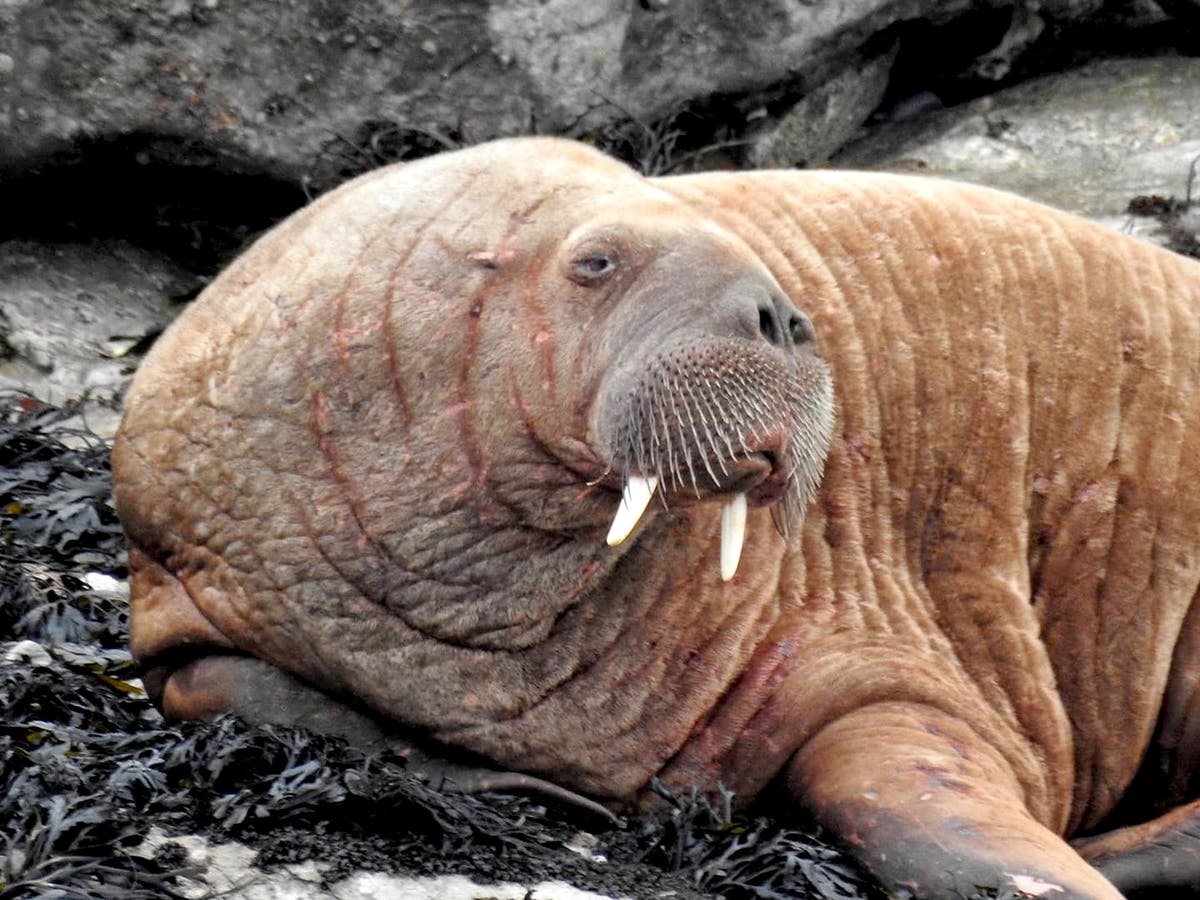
column 312, row 90
column 1089, row 140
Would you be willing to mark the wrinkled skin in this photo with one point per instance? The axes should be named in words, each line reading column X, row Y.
column 381, row 453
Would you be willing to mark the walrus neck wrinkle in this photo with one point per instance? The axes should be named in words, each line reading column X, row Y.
column 495, row 588
column 658, row 636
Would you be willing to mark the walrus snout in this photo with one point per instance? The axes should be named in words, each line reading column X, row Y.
column 751, row 306
column 726, row 418
column 712, row 389
column 781, row 323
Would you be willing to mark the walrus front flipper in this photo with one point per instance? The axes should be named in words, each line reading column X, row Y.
column 1159, row 859
column 259, row 692
column 932, row 809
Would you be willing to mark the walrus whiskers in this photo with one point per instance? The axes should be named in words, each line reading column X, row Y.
column 678, row 417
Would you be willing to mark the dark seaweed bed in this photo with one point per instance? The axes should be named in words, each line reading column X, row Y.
column 88, row 767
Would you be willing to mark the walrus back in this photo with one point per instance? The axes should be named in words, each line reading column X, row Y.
column 1018, row 418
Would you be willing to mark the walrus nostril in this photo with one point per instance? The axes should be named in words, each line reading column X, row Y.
column 784, row 326
column 768, row 325
column 801, row 329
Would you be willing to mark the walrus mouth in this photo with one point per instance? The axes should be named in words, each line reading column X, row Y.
column 635, row 497
column 726, row 420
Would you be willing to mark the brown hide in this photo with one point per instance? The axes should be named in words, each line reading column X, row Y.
column 1016, row 471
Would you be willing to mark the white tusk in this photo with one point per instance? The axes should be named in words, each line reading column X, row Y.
column 634, row 499
column 733, row 533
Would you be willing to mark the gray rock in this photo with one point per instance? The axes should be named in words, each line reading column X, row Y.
column 1026, row 27
column 70, row 315
column 1087, row 140
column 824, row 120
column 310, row 89
column 228, row 870
column 27, row 652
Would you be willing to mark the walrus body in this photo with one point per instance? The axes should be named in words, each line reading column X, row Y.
column 382, row 450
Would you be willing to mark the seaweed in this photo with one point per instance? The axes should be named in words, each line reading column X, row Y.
column 1177, row 217
column 733, row 855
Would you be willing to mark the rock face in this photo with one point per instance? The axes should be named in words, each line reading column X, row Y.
column 70, row 314
column 824, row 120
column 311, row 89
column 1087, row 140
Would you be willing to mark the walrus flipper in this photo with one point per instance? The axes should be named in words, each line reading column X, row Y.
column 262, row 693
column 934, row 810
column 1160, row 858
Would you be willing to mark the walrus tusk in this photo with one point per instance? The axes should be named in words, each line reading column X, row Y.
column 733, row 532
column 634, row 499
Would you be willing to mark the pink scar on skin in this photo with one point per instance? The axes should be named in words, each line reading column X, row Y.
column 492, row 259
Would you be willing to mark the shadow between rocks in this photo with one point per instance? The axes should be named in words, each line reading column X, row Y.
column 196, row 206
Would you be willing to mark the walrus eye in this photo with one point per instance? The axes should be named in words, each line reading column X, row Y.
column 593, row 267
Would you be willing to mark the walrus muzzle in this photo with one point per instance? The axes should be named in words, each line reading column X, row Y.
column 736, row 406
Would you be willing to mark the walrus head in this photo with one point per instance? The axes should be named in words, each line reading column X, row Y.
column 714, row 390
column 448, row 375
column 640, row 347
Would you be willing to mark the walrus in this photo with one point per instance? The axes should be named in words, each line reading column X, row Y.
column 875, row 494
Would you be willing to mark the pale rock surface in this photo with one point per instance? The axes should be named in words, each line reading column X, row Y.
column 71, row 313
column 1087, row 141
column 227, row 870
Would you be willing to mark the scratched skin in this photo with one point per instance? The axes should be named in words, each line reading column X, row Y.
column 376, row 454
